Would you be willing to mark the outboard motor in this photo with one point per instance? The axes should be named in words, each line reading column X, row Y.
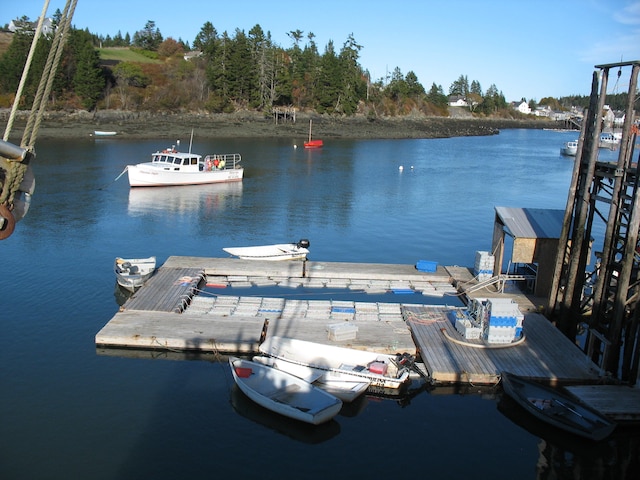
column 303, row 243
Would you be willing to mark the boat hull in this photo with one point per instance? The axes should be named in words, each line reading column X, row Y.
column 553, row 407
column 283, row 393
column 147, row 175
column 131, row 273
column 344, row 386
column 359, row 363
column 284, row 251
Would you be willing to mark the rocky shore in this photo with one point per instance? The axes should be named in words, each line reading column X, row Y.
column 254, row 125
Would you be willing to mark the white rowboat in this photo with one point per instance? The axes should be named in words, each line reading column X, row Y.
column 284, row 393
column 345, row 386
column 131, row 273
column 283, row 251
column 378, row 369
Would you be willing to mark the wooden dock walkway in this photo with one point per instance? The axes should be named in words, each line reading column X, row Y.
column 168, row 312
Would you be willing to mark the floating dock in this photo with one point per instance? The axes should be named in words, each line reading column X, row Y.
column 169, row 313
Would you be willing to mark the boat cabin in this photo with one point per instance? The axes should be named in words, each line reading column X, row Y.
column 174, row 160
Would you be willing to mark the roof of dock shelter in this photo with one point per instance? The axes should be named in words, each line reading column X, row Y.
column 531, row 222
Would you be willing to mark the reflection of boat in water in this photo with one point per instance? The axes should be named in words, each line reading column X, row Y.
column 185, row 199
column 302, row 432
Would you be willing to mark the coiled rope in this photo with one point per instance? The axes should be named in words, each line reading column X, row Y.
column 15, row 176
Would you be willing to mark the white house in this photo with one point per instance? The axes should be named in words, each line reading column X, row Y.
column 523, row 107
column 457, row 101
column 47, row 26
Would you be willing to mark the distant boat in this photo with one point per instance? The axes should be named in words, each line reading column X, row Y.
column 170, row 167
column 570, row 149
column 131, row 273
column 284, row 393
column 610, row 140
column 281, row 251
column 557, row 409
column 312, row 143
column 102, row 133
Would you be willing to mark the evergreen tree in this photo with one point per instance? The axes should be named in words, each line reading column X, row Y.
column 88, row 80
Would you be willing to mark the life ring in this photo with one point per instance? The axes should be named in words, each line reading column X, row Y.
column 9, row 222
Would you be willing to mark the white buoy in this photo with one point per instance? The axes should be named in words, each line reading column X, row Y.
column 401, row 168
column 295, row 146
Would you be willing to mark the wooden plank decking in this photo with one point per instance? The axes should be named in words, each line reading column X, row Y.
column 545, row 355
column 168, row 290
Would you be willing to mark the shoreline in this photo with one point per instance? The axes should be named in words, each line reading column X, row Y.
column 253, row 125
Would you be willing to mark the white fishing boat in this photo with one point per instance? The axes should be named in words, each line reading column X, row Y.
column 171, row 167
column 610, row 140
column 379, row 370
column 131, row 273
column 282, row 251
column 103, row 133
column 570, row 149
column 284, row 393
column 345, row 386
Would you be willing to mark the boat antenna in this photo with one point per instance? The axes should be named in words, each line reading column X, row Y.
column 191, row 140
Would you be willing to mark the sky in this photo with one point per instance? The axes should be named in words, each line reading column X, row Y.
column 527, row 48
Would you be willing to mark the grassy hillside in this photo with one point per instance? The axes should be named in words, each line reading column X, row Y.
column 5, row 41
column 124, row 55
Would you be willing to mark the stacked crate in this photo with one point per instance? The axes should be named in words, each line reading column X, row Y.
column 483, row 266
column 504, row 321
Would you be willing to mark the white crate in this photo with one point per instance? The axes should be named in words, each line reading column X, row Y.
column 342, row 331
column 468, row 329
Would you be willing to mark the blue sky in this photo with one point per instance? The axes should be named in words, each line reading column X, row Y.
column 527, row 48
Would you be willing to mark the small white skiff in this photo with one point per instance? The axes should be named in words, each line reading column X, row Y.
column 131, row 273
column 345, row 386
column 283, row 251
column 378, row 369
column 284, row 393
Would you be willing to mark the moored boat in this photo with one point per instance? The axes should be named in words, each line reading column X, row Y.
column 171, row 167
column 556, row 408
column 103, row 133
column 284, row 393
column 379, row 369
column 342, row 385
column 570, row 149
column 131, row 273
column 313, row 143
column 281, row 251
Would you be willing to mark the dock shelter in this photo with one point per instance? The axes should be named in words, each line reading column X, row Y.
column 535, row 233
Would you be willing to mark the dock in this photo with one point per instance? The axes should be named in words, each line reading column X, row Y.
column 169, row 313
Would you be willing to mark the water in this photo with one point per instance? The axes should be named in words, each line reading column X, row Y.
column 69, row 410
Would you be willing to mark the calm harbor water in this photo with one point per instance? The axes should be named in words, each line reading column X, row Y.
column 69, row 410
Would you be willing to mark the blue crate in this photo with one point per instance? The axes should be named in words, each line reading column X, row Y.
column 426, row 266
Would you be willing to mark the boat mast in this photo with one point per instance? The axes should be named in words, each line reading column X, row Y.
column 310, row 121
column 191, row 140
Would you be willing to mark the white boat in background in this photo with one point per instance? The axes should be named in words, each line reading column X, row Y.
column 284, row 393
column 610, row 140
column 379, row 369
column 131, row 273
column 103, row 133
column 282, row 251
column 345, row 386
column 171, row 167
column 570, row 149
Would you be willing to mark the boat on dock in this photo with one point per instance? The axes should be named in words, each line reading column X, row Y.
column 282, row 251
column 345, row 386
column 557, row 408
column 570, row 149
column 284, row 393
column 379, row 370
column 131, row 273
column 170, row 167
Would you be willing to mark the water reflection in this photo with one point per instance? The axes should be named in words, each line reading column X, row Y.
column 563, row 455
column 296, row 430
column 200, row 199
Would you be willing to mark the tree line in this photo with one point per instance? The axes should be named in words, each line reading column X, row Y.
column 231, row 72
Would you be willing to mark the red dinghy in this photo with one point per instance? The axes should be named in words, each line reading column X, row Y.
column 312, row 143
